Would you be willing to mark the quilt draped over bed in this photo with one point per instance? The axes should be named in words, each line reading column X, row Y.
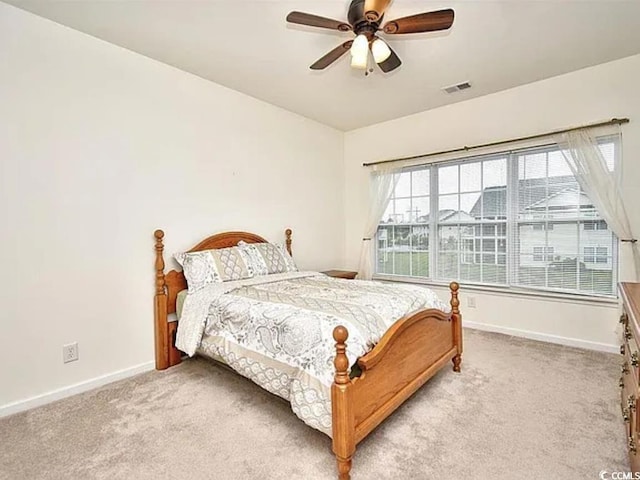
column 277, row 330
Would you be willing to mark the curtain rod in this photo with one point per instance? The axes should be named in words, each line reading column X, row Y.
column 613, row 121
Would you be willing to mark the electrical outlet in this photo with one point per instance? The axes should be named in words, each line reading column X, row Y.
column 70, row 352
column 471, row 302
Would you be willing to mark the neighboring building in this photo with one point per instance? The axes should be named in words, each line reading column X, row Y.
column 542, row 241
column 418, row 231
column 482, row 233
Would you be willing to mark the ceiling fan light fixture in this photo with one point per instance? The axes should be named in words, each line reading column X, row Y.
column 380, row 50
column 360, row 47
column 360, row 61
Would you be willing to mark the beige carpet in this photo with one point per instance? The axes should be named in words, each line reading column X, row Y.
column 519, row 410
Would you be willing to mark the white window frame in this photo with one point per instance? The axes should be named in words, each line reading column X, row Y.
column 512, row 235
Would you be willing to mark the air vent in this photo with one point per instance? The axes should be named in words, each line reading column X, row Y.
column 457, row 88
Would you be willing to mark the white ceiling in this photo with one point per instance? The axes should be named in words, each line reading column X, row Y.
column 247, row 46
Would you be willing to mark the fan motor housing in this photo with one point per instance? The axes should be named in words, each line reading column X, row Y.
column 358, row 19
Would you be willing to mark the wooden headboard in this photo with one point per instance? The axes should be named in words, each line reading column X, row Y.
column 170, row 284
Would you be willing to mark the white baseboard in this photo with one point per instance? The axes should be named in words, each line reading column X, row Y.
column 544, row 337
column 64, row 392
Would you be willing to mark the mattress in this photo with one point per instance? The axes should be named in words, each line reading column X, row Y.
column 180, row 298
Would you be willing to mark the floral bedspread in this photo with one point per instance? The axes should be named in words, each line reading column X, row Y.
column 277, row 330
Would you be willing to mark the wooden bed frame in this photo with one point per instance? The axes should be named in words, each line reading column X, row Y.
column 414, row 349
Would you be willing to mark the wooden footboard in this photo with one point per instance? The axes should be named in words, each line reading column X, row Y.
column 411, row 352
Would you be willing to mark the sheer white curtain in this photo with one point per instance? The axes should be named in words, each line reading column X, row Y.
column 383, row 181
column 602, row 185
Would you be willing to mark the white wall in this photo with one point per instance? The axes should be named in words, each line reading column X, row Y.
column 589, row 95
column 98, row 147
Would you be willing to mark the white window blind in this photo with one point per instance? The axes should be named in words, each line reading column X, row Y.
column 516, row 219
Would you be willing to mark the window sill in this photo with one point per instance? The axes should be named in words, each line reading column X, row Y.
column 507, row 292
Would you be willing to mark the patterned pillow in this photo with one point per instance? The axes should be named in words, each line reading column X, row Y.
column 267, row 258
column 211, row 266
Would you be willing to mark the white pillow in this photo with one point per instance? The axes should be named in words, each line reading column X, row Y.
column 267, row 258
column 212, row 266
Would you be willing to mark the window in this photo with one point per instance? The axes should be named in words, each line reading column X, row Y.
column 543, row 226
column 403, row 236
column 595, row 225
column 543, row 254
column 596, row 255
column 538, row 254
column 514, row 219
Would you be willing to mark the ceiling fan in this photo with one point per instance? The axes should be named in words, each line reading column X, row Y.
column 365, row 20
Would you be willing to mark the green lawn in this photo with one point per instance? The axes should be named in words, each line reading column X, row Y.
column 419, row 264
column 564, row 277
column 416, row 264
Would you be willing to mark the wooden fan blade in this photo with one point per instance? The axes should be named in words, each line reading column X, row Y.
column 423, row 22
column 332, row 56
column 315, row 21
column 390, row 63
column 374, row 9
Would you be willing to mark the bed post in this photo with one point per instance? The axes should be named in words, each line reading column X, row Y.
column 344, row 442
column 456, row 319
column 160, row 307
column 287, row 234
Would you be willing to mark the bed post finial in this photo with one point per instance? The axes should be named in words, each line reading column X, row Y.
column 287, row 234
column 159, row 234
column 456, row 319
column 341, row 362
column 343, row 419
column 455, row 303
